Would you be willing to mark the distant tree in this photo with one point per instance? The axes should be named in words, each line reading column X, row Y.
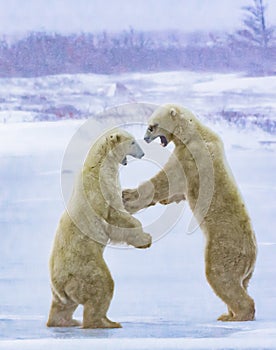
column 254, row 43
column 103, row 40
column 128, row 38
column 142, row 41
column 256, row 31
column 173, row 40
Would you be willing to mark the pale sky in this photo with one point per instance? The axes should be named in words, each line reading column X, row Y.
column 66, row 16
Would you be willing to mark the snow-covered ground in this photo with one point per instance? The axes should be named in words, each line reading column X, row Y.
column 161, row 295
column 83, row 95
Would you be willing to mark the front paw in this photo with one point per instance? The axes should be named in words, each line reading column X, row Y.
column 142, row 242
column 130, row 196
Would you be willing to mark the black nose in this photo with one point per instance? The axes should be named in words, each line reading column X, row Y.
column 147, row 139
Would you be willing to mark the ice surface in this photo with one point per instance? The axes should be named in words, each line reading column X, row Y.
column 161, row 295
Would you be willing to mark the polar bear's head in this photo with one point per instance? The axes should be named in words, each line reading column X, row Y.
column 165, row 122
column 123, row 144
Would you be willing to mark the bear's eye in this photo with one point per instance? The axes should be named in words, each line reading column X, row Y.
column 133, row 142
column 152, row 127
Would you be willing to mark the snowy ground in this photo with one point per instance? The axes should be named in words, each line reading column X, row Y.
column 162, row 297
column 82, row 95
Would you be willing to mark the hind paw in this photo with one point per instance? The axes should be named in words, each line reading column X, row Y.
column 103, row 323
column 225, row 318
column 63, row 323
column 236, row 318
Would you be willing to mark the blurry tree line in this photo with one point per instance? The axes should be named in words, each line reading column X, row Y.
column 251, row 49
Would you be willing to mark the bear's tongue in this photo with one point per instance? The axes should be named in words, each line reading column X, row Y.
column 164, row 141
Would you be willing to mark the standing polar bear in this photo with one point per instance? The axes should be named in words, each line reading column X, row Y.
column 95, row 215
column 198, row 171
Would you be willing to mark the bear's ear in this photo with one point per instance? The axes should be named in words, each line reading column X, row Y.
column 115, row 138
column 173, row 113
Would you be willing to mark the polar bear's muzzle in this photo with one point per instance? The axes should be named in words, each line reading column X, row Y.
column 153, row 132
column 135, row 151
column 124, row 161
column 150, row 138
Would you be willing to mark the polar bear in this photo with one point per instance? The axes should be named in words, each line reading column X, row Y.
column 208, row 185
column 95, row 215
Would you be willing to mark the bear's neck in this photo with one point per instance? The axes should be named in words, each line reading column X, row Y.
column 110, row 181
column 110, row 166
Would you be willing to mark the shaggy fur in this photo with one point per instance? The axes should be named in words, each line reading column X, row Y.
column 214, row 198
column 95, row 215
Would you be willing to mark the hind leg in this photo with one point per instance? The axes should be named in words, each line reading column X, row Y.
column 61, row 314
column 242, row 309
column 95, row 316
column 96, row 307
column 240, row 305
column 246, row 281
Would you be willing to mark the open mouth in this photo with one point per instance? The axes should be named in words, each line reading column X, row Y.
column 164, row 141
column 124, row 161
